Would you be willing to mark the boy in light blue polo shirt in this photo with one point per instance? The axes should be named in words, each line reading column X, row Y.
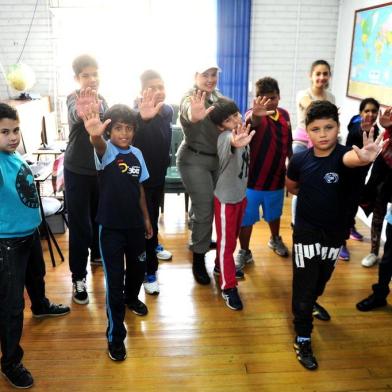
column 21, row 260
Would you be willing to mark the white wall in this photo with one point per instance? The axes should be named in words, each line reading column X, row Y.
column 286, row 37
column 348, row 106
column 15, row 18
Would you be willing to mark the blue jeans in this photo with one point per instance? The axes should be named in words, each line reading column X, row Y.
column 14, row 254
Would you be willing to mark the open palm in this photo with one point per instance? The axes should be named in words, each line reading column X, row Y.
column 198, row 109
column 368, row 153
column 240, row 136
column 386, row 118
column 85, row 98
column 92, row 121
column 260, row 107
column 148, row 108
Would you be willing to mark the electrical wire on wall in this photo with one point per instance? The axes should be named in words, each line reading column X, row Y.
column 28, row 32
column 2, row 70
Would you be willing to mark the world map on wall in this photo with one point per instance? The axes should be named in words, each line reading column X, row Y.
column 371, row 57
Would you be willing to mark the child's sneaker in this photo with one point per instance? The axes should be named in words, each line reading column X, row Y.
column 243, row 257
column 232, row 298
column 151, row 285
column 239, row 274
column 369, row 260
column 138, row 307
column 117, row 351
column 80, row 295
column 344, row 253
column 370, row 303
column 305, row 356
column 52, row 310
column 354, row 235
column 163, row 254
column 18, row 376
column 277, row 245
column 320, row 313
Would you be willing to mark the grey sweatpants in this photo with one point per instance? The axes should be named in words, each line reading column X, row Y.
column 199, row 175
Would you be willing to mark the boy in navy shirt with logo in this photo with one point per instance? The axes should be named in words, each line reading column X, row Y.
column 322, row 178
column 122, row 214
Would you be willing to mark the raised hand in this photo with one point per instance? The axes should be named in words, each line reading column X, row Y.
column 240, row 136
column 368, row 153
column 92, row 121
column 385, row 118
column 198, row 109
column 148, row 108
column 260, row 107
column 85, row 98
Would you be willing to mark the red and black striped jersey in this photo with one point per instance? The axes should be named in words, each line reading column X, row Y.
column 269, row 148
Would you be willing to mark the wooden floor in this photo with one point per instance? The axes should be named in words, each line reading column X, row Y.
column 190, row 341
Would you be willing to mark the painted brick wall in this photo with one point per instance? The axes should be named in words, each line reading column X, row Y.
column 15, row 19
column 287, row 36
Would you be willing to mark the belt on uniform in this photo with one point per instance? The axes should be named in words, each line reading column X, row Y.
column 201, row 152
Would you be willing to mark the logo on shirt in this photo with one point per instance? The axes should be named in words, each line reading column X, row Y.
column 245, row 163
column 25, row 187
column 134, row 171
column 331, row 178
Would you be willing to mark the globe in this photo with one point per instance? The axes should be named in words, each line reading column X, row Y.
column 20, row 77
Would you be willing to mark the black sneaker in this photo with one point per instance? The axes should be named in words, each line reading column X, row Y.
column 370, row 303
column 305, row 354
column 232, row 298
column 320, row 313
column 238, row 273
column 80, row 295
column 138, row 307
column 199, row 269
column 53, row 310
column 18, row 376
column 117, row 351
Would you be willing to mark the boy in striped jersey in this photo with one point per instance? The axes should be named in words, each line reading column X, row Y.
column 269, row 149
column 324, row 180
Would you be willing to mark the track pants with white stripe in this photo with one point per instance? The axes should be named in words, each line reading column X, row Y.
column 115, row 244
column 228, row 218
column 315, row 254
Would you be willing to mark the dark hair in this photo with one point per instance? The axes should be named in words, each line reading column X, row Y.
column 6, row 111
column 320, row 62
column 321, row 109
column 148, row 75
column 266, row 85
column 372, row 101
column 120, row 113
column 223, row 109
column 83, row 61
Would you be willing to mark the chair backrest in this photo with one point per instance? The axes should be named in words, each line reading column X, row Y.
column 177, row 137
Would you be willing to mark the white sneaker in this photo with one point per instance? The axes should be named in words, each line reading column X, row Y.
column 369, row 260
column 151, row 288
column 243, row 257
column 164, row 255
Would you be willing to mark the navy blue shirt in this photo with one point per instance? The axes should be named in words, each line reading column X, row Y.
column 120, row 173
column 325, row 190
column 153, row 138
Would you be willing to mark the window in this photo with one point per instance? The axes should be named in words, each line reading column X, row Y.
column 128, row 37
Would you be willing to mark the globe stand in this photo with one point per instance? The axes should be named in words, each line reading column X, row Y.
column 24, row 97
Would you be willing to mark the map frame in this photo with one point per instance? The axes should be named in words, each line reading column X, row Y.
column 360, row 90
